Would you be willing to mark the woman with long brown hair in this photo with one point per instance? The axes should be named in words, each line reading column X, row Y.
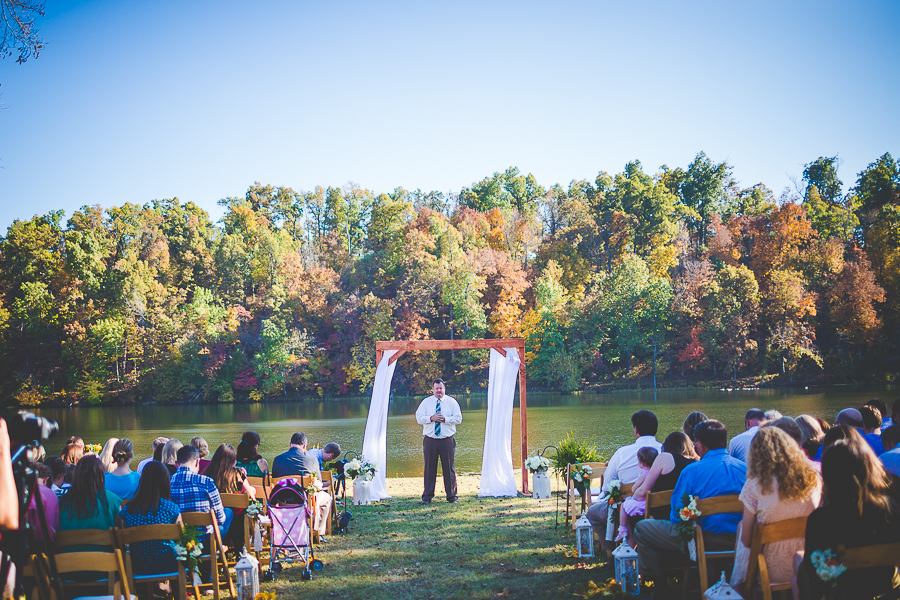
column 780, row 485
column 248, row 457
column 88, row 504
column 229, row 479
column 857, row 510
column 73, row 451
column 677, row 453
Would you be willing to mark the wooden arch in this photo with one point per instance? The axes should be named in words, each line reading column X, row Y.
column 498, row 345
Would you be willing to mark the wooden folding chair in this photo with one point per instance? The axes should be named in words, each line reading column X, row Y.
column 88, row 540
column 572, row 501
column 216, row 556
column 238, row 502
column 866, row 557
column 328, row 486
column 149, row 533
column 73, row 562
column 714, row 505
column 763, row 535
column 658, row 500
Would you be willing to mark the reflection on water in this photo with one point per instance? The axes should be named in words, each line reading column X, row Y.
column 606, row 417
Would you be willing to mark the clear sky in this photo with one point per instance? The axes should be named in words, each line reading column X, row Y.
column 132, row 101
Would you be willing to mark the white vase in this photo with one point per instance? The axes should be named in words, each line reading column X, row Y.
column 361, row 491
column 540, row 486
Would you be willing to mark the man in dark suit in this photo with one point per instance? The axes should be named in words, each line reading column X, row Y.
column 296, row 461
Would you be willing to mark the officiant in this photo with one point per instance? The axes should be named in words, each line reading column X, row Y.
column 439, row 415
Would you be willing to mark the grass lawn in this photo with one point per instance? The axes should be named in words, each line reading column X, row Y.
column 477, row 548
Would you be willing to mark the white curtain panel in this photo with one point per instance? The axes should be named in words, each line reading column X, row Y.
column 497, row 478
column 375, row 440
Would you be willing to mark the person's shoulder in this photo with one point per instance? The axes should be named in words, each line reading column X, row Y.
column 113, row 498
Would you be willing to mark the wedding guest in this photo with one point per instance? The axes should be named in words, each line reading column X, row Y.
column 823, row 424
column 882, row 410
column 58, row 475
column 170, row 454
column 741, row 442
column 811, row 434
column 193, row 492
column 73, row 451
column 635, row 505
column 772, row 414
column 857, row 510
column 327, row 454
column 789, row 426
column 623, row 466
column 890, row 439
column 157, row 443
column 203, row 448
column 678, row 452
column 88, row 504
column 780, row 485
column 106, row 455
column 122, row 481
column 152, row 505
column 50, row 505
column 871, row 427
column 691, row 421
column 223, row 470
column 248, row 457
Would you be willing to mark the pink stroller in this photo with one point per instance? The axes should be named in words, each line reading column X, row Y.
column 291, row 526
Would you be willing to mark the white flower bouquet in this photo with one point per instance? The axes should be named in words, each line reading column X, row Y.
column 360, row 468
column 537, row 464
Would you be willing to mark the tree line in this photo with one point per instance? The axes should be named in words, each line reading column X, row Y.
column 629, row 278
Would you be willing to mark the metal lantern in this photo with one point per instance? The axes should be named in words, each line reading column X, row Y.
column 584, row 537
column 627, row 569
column 247, row 575
column 721, row 591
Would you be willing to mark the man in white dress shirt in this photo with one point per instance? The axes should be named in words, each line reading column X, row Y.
column 740, row 444
column 624, row 466
column 439, row 415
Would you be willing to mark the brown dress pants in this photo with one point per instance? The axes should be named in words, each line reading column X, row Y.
column 445, row 448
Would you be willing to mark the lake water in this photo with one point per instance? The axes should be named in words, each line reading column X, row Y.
column 606, row 417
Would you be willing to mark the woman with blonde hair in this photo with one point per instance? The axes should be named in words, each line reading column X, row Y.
column 169, row 454
column 811, row 434
column 780, row 485
column 106, row 455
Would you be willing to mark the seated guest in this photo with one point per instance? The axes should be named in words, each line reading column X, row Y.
column 193, row 492
column 106, row 455
column 871, row 428
column 715, row 474
column 296, row 461
column 57, row 475
column 229, row 479
column 88, row 504
column 691, row 421
column 635, row 505
column 895, row 412
column 327, row 454
column 890, row 439
column 851, row 417
column 857, row 510
column 73, row 451
column 123, row 482
column 157, row 443
column 882, row 410
column 811, row 434
column 623, row 466
column 772, row 414
column 792, row 428
column 203, row 448
column 780, row 485
column 50, row 505
column 152, row 505
column 678, row 452
column 248, row 457
column 741, row 442
column 169, row 456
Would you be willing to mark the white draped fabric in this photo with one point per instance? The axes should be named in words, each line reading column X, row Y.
column 497, row 478
column 375, row 440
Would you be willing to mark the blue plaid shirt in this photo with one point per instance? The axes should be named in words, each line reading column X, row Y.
column 196, row 493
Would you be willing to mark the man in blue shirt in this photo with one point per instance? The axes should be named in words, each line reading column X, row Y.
column 715, row 474
column 890, row 437
column 325, row 455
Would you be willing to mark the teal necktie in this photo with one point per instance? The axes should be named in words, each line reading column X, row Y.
column 437, row 424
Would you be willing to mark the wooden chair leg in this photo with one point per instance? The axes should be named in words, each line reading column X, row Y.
column 701, row 560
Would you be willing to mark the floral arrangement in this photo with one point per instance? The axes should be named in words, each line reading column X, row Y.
column 360, row 468
column 93, row 448
column 537, row 464
column 688, row 515
column 582, row 476
column 254, row 509
column 265, row 596
column 187, row 550
column 615, row 492
column 315, row 485
column 828, row 568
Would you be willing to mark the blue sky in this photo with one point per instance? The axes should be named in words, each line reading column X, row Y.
column 133, row 101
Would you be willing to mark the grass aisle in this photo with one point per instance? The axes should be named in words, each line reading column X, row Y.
column 478, row 548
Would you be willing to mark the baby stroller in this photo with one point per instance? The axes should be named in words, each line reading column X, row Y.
column 291, row 517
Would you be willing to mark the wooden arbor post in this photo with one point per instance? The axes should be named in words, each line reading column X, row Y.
column 498, row 345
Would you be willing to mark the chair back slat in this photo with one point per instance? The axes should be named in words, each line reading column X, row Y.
column 657, row 499
column 718, row 505
column 199, row 519
column 237, row 501
column 770, row 533
column 879, row 555
column 111, row 562
column 782, row 530
column 146, row 533
column 85, row 537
